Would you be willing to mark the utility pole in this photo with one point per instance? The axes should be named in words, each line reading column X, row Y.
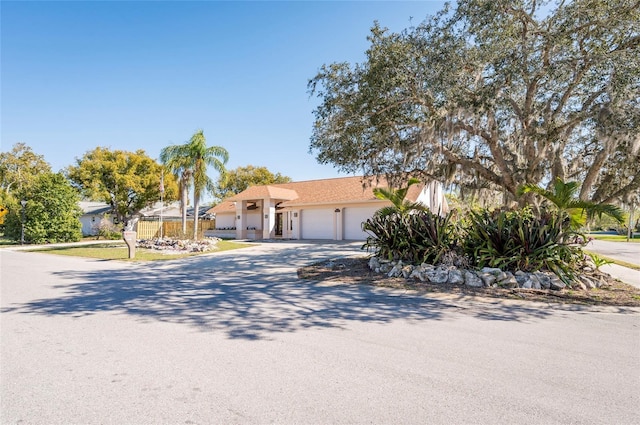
column 24, row 204
column 630, row 227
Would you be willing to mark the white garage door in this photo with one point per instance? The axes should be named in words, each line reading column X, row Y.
column 353, row 218
column 317, row 224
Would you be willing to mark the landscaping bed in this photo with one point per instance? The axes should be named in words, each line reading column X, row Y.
column 357, row 271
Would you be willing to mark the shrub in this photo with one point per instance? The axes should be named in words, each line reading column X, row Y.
column 518, row 240
column 509, row 240
column 51, row 213
column 417, row 237
column 107, row 229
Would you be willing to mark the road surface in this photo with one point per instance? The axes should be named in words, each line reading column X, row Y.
column 236, row 338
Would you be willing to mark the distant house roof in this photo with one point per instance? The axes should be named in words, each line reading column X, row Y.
column 325, row 191
column 170, row 210
column 90, row 207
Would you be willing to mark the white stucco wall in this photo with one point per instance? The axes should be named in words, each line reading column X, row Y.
column 254, row 219
column 87, row 224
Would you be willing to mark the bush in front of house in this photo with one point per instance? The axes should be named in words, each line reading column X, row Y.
column 520, row 240
column 418, row 237
column 510, row 240
column 106, row 229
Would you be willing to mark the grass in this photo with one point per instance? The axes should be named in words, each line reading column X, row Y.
column 614, row 238
column 119, row 251
column 8, row 242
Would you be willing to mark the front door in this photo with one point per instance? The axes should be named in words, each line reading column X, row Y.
column 278, row 229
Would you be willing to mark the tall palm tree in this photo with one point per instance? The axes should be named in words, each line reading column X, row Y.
column 189, row 162
column 564, row 197
column 175, row 158
column 202, row 157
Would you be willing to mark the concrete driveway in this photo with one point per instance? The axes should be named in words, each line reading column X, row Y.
column 236, row 338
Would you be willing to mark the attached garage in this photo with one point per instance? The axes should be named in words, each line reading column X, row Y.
column 353, row 218
column 327, row 209
column 317, row 223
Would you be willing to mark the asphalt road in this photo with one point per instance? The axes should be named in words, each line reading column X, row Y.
column 623, row 251
column 236, row 338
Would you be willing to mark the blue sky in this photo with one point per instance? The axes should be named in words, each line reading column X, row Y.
column 143, row 75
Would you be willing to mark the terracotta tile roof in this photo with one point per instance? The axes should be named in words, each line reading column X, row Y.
column 326, row 191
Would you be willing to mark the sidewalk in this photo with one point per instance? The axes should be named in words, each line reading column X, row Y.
column 628, row 252
column 59, row 245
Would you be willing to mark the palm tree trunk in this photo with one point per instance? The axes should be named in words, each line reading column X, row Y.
column 196, row 207
column 183, row 207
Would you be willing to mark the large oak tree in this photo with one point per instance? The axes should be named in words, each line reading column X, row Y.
column 494, row 94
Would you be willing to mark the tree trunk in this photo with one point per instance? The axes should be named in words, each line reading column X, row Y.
column 183, row 208
column 196, row 207
column 592, row 173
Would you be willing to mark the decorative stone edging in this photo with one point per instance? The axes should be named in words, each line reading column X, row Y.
column 176, row 246
column 486, row 277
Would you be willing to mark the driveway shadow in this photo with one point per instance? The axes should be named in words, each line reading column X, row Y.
column 248, row 294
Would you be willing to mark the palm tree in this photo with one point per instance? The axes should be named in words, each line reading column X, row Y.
column 202, row 158
column 565, row 198
column 191, row 161
column 396, row 196
column 175, row 158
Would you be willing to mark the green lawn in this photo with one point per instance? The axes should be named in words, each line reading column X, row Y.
column 118, row 251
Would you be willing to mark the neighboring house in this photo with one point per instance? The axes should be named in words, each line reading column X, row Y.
column 172, row 211
column 167, row 211
column 317, row 209
column 92, row 213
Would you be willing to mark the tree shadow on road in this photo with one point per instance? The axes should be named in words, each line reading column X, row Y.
column 248, row 296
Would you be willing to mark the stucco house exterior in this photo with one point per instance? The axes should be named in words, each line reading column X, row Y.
column 92, row 213
column 329, row 209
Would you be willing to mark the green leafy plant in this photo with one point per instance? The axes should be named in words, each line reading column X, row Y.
column 565, row 200
column 50, row 214
column 599, row 261
column 418, row 237
column 397, row 198
column 520, row 240
column 107, row 229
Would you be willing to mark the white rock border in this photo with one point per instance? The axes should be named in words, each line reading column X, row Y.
column 178, row 246
column 488, row 276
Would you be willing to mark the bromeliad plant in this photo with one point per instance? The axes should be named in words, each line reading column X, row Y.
column 419, row 237
column 520, row 240
column 407, row 230
column 510, row 240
